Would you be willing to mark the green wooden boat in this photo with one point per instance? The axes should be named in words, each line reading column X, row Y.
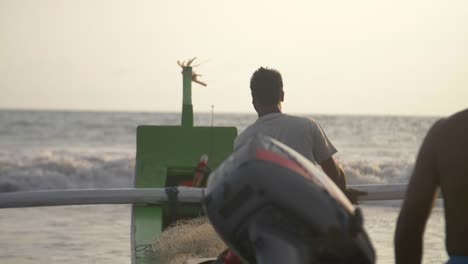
column 166, row 156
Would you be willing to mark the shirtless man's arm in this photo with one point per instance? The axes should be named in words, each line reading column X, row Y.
column 418, row 203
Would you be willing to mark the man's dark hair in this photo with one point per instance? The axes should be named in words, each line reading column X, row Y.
column 266, row 86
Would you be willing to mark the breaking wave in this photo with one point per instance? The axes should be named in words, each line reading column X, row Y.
column 377, row 171
column 60, row 169
column 79, row 169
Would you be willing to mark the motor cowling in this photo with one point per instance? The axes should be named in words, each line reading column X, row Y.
column 272, row 205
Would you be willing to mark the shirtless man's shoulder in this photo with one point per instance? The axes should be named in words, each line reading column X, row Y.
column 452, row 167
column 442, row 162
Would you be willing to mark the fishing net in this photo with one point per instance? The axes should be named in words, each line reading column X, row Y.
column 193, row 238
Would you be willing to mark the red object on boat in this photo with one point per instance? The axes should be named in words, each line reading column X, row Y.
column 200, row 171
column 186, row 183
column 230, row 258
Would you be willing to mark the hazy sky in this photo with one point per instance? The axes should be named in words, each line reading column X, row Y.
column 366, row 57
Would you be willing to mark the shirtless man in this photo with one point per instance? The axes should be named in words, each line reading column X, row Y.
column 442, row 163
column 302, row 134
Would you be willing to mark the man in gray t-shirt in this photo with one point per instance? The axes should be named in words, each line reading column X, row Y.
column 302, row 134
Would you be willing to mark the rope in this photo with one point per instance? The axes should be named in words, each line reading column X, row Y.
column 142, row 247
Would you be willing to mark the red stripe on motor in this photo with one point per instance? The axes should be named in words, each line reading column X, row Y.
column 272, row 157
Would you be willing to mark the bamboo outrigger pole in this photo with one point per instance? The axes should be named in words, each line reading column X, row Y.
column 155, row 196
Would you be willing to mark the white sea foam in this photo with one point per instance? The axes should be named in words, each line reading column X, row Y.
column 42, row 169
column 65, row 169
column 377, row 171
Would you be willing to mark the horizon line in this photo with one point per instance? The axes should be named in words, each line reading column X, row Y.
column 208, row 112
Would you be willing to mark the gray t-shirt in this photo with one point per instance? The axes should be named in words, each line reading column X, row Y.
column 302, row 134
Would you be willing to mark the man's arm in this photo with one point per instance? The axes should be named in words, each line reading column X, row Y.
column 323, row 153
column 419, row 199
column 336, row 173
column 331, row 168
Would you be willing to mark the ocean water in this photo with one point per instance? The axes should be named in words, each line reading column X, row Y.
column 58, row 150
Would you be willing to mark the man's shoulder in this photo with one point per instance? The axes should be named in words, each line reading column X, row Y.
column 449, row 128
column 458, row 118
column 299, row 119
column 461, row 114
column 246, row 133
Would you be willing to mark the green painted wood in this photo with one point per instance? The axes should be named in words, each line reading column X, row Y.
column 187, row 108
column 187, row 115
column 165, row 156
column 160, row 147
column 187, row 85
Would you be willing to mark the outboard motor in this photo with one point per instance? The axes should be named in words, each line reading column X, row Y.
column 271, row 205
